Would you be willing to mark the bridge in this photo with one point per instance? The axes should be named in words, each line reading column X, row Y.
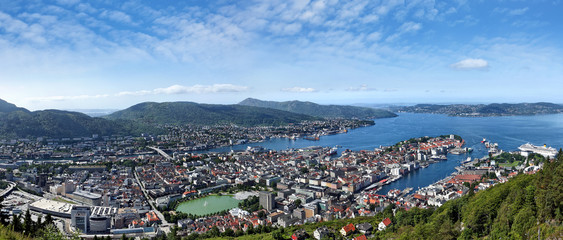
column 11, row 187
column 165, row 155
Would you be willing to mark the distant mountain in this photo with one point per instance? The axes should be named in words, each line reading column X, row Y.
column 325, row 111
column 483, row 110
column 206, row 114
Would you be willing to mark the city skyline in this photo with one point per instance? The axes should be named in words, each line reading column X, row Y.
column 72, row 54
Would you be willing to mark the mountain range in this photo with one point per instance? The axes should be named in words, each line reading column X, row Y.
column 17, row 122
column 324, row 111
column 179, row 113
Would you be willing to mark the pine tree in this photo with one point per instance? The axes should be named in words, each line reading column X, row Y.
column 48, row 219
column 28, row 223
column 16, row 223
column 3, row 217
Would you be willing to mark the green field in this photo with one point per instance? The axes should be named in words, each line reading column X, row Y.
column 513, row 164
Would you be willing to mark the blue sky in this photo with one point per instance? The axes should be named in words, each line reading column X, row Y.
column 71, row 54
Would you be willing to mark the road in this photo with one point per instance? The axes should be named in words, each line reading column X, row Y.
column 165, row 226
column 11, row 186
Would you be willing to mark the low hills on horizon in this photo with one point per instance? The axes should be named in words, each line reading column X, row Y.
column 484, row 110
column 17, row 122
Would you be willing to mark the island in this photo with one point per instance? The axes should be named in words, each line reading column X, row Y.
column 484, row 110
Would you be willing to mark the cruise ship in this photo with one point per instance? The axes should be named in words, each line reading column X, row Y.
column 543, row 150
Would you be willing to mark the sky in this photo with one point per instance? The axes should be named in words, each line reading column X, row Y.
column 73, row 54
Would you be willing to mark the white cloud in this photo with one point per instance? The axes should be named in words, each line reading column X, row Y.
column 69, row 98
column 470, row 63
column 361, row 88
column 518, row 11
column 174, row 89
column 298, row 89
column 410, row 27
column 179, row 89
column 285, row 29
column 407, row 27
column 512, row 12
column 116, row 16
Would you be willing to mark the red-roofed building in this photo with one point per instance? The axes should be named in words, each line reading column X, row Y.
column 384, row 224
column 348, row 229
column 460, row 179
column 361, row 237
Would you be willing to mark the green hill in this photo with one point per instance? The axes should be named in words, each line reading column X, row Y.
column 58, row 124
column 206, row 114
column 6, row 107
column 18, row 122
column 325, row 111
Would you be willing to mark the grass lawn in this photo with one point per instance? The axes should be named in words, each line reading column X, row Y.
column 59, row 199
column 513, row 164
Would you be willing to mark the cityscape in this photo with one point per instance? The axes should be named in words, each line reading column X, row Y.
column 278, row 120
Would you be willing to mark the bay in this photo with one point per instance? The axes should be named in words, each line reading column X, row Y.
column 508, row 131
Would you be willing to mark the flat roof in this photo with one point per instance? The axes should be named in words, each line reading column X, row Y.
column 52, row 206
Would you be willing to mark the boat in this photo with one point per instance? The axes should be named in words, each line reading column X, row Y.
column 333, row 151
column 312, row 138
column 484, row 140
column 467, row 160
column 543, row 150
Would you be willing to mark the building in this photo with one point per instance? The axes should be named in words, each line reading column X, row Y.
column 58, row 209
column 321, row 232
column 361, row 237
column 99, row 224
column 87, row 197
column 299, row 235
column 80, row 218
column 364, row 228
column 267, row 200
column 125, row 216
column 384, row 224
column 347, row 230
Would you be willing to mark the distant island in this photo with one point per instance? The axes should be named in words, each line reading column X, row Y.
column 484, row 110
column 324, row 111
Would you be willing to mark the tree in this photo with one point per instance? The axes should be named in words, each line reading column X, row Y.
column 16, row 223
column 297, row 203
column 28, row 223
column 48, row 219
column 3, row 217
column 277, row 235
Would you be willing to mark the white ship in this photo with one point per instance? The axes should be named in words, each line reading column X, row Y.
column 543, row 150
